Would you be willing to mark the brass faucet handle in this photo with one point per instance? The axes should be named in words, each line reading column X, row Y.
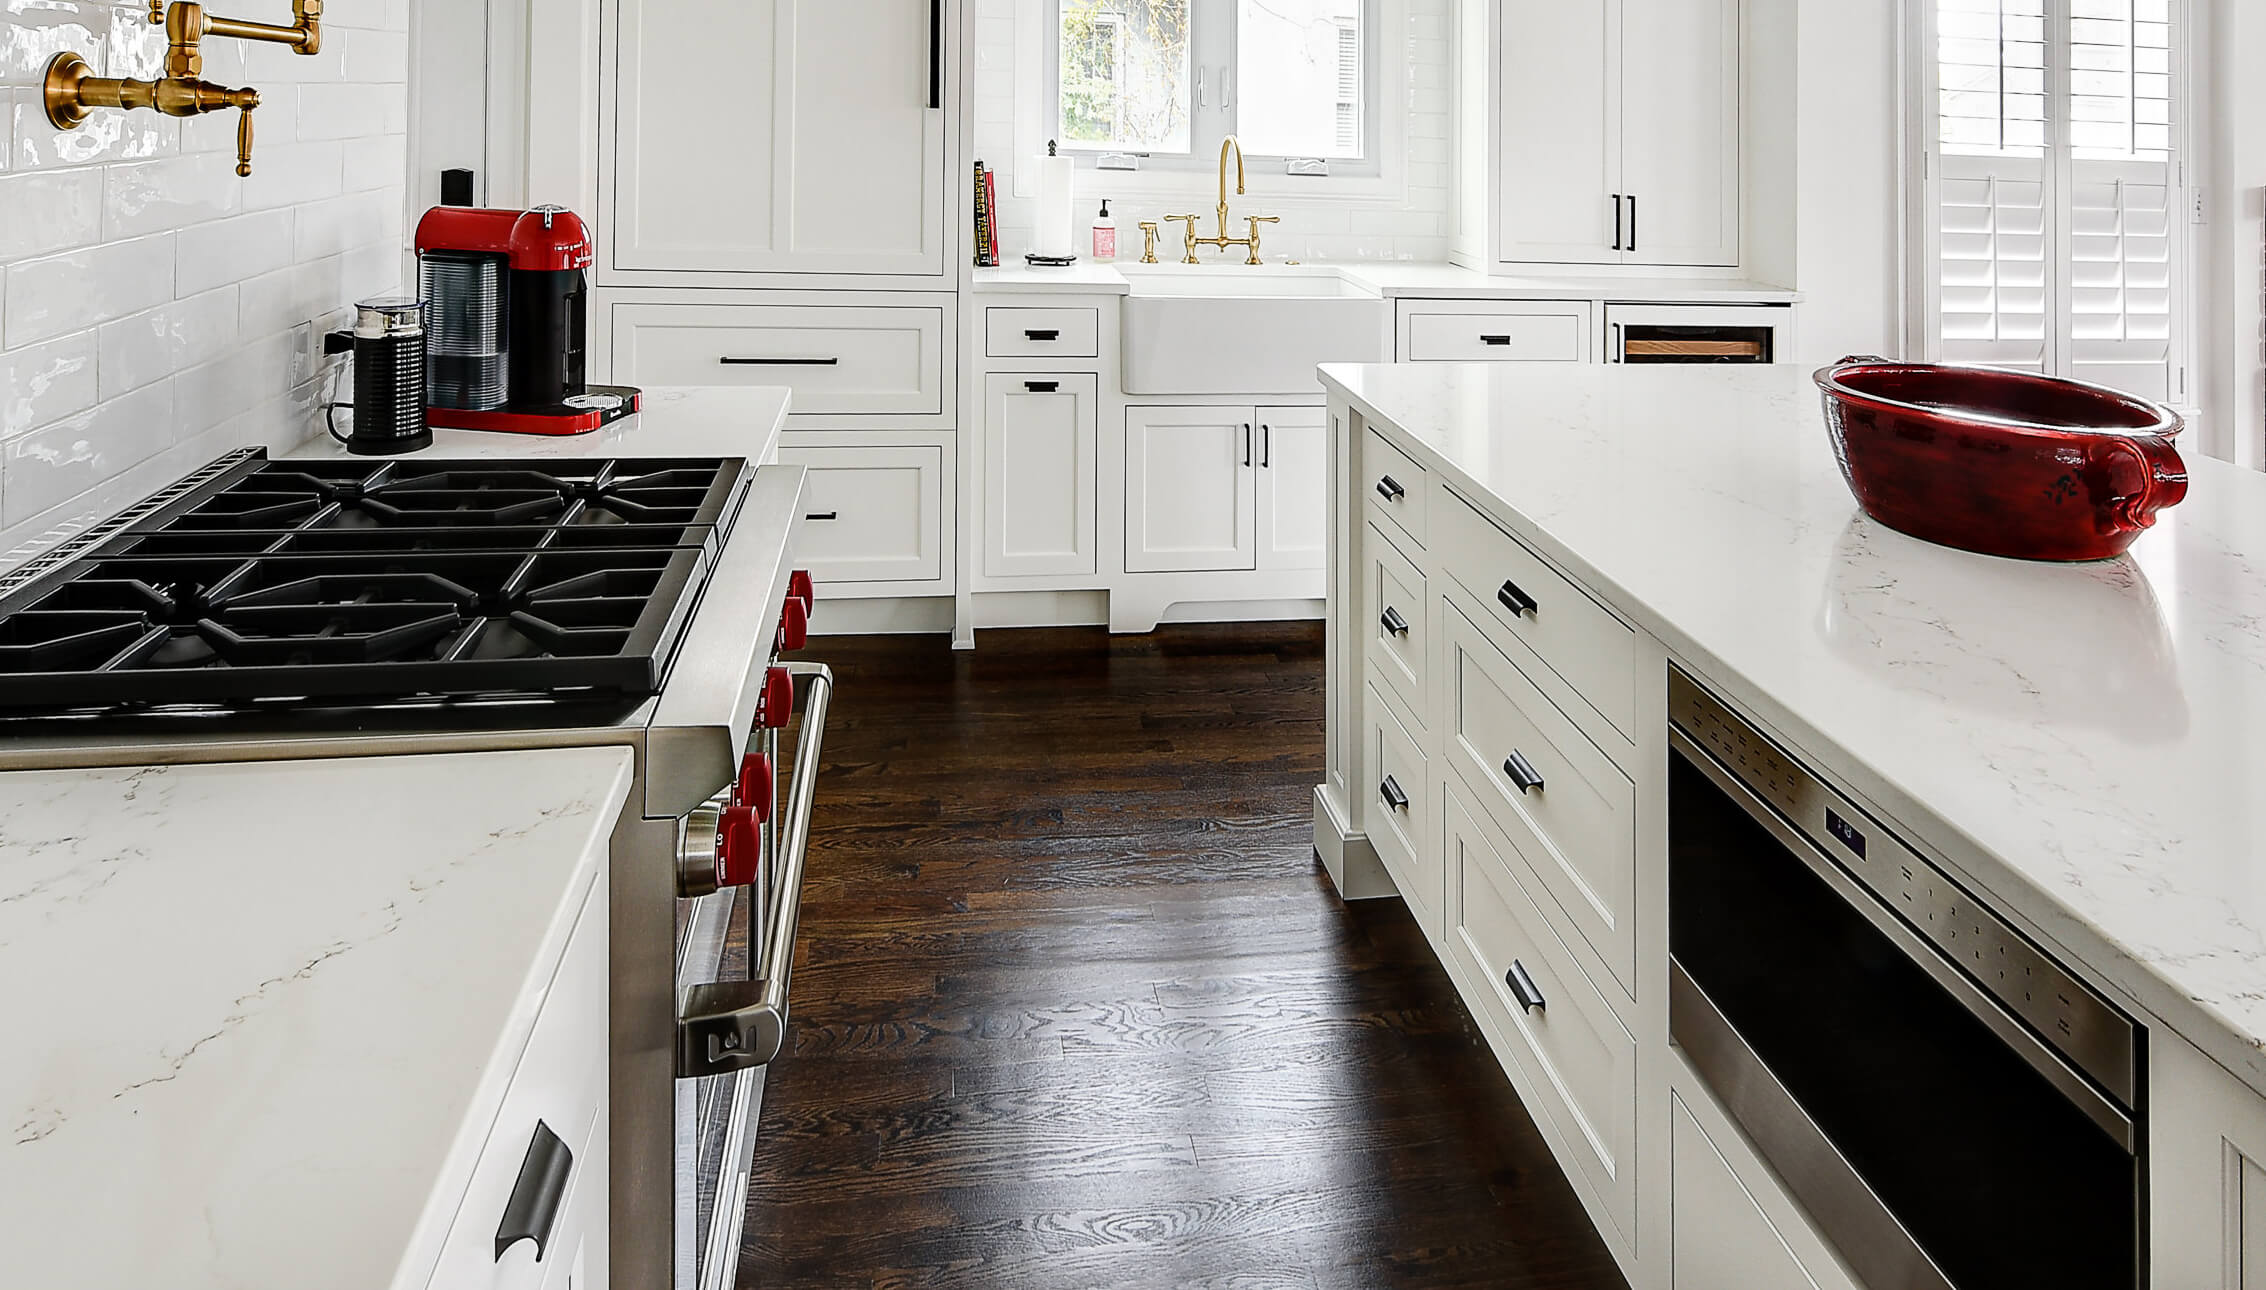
column 1148, row 241
column 244, row 137
column 1190, row 241
column 1253, row 240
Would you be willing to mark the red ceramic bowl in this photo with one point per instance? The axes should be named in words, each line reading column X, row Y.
column 2005, row 463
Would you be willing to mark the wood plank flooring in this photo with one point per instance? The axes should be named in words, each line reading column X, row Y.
column 1075, row 1007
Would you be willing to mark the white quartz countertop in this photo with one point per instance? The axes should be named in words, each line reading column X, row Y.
column 1393, row 280
column 253, row 1013
column 2086, row 742
column 675, row 421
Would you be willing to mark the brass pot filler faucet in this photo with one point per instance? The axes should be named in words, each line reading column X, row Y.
column 73, row 91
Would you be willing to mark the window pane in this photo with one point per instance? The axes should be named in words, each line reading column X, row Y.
column 1990, row 61
column 1299, row 78
column 1125, row 75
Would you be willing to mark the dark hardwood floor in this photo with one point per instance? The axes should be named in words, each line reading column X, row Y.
column 1075, row 1006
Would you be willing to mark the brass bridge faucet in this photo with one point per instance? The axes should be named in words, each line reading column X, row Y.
column 1221, row 239
column 73, row 91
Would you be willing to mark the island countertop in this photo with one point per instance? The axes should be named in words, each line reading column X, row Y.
column 258, row 1016
column 2083, row 742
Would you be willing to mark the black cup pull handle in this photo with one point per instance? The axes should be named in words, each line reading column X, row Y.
column 1523, row 989
column 1496, row 340
column 1046, row 333
column 1393, row 622
column 1517, row 601
column 1042, row 387
column 1391, row 791
column 533, row 1209
column 1390, row 489
column 823, row 515
column 1522, row 773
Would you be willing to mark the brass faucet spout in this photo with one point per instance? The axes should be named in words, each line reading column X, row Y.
column 1230, row 142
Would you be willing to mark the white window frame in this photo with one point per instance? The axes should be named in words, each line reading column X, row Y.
column 1923, row 173
column 1380, row 173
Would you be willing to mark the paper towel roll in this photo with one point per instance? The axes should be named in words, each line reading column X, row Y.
column 1057, row 214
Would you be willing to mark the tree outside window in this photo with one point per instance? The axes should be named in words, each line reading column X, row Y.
column 1125, row 75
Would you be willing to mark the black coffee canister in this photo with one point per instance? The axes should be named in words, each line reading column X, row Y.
column 389, row 377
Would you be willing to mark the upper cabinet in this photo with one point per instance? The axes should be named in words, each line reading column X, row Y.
column 1615, row 128
column 779, row 137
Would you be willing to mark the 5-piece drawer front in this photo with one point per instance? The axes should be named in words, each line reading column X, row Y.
column 840, row 360
column 871, row 513
column 1580, row 1061
column 1524, row 597
column 1569, row 809
column 1396, row 609
column 1401, row 807
column 1042, row 333
column 1397, row 486
column 1458, row 331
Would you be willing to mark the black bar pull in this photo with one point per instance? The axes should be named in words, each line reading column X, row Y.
column 1496, row 340
column 1522, row 773
column 533, row 1209
column 1616, row 221
column 1048, row 333
column 1042, row 387
column 935, row 54
column 1246, row 443
column 1517, row 601
column 1632, row 221
column 1392, row 621
column 1390, row 489
column 823, row 515
column 1523, row 988
column 730, row 361
column 1391, row 791
column 1266, row 446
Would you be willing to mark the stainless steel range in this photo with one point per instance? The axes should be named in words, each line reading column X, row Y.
column 312, row 609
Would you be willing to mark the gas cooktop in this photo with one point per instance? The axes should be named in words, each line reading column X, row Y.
column 276, row 582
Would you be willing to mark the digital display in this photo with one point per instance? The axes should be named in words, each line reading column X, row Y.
column 1844, row 831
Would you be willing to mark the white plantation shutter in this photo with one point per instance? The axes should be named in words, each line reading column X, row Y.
column 2054, row 238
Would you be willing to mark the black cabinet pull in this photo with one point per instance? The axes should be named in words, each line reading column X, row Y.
column 1522, row 773
column 1523, row 988
column 1042, row 387
column 935, row 54
column 1390, row 790
column 1517, row 601
column 1392, row 621
column 1632, row 221
column 823, row 515
column 1496, row 340
column 1616, row 221
column 1046, row 333
column 533, row 1209
column 1390, row 489
column 730, row 361
column 1246, row 443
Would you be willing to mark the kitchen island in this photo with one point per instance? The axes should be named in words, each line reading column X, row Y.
column 2074, row 746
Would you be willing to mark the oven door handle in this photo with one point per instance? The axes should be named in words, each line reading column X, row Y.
column 729, row 1026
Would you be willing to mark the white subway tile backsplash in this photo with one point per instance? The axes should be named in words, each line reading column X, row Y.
column 46, row 383
column 237, row 382
column 151, row 346
column 150, row 196
column 290, row 174
column 376, row 162
column 78, row 289
column 331, row 227
column 106, row 136
column 43, row 212
column 32, row 33
column 49, row 466
column 232, row 250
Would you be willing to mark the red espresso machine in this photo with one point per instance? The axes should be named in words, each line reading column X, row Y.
column 507, row 304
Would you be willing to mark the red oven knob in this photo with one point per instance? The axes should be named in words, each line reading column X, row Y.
column 757, row 787
column 794, row 625
column 739, row 848
column 777, row 701
column 800, row 587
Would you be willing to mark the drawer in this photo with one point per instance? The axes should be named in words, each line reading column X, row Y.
column 1395, row 607
column 1575, row 821
column 1580, row 1063
column 1400, row 790
column 871, row 513
column 1042, row 333
column 1396, row 486
column 1443, row 331
column 840, row 360
column 1519, row 594
column 560, row 1082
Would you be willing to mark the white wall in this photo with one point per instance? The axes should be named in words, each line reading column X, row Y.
column 2231, row 282
column 1847, row 234
column 1409, row 222
column 155, row 310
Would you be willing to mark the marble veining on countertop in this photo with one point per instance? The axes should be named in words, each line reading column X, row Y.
column 1392, row 279
column 675, row 421
column 2086, row 740
column 253, row 1012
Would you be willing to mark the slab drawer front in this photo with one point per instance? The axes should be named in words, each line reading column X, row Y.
column 1575, row 1052
column 1578, row 638
column 560, row 1083
column 1399, row 805
column 1396, row 611
column 1485, row 337
column 1396, row 486
column 1576, row 817
column 840, row 360
column 871, row 513
column 1042, row 333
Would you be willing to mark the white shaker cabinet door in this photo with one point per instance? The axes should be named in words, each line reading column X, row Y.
column 1190, row 489
column 1560, row 156
column 1680, row 130
column 1294, row 468
column 778, row 136
column 1039, row 474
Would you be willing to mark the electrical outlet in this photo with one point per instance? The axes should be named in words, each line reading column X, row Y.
column 2195, row 211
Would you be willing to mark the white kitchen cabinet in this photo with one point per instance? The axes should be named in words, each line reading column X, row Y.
column 1191, row 489
column 873, row 514
column 1038, row 474
column 1722, row 1239
column 1293, row 478
column 778, row 137
column 2206, row 1172
column 866, row 360
column 1616, row 131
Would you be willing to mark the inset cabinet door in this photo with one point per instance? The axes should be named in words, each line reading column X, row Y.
column 871, row 513
column 1294, row 470
column 1560, row 157
column 1039, row 474
column 1680, row 135
column 778, row 136
column 1190, row 490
